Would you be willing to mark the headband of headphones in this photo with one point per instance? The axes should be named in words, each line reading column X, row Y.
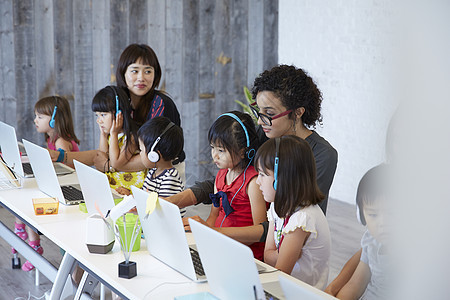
column 152, row 155
column 277, row 161
column 170, row 125
column 242, row 125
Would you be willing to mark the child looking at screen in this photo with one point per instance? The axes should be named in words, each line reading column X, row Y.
column 298, row 241
column 160, row 142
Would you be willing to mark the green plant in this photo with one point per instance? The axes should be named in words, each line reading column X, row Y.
column 245, row 106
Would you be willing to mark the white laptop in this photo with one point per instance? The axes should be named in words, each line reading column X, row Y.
column 230, row 266
column 46, row 178
column 10, row 152
column 95, row 188
column 165, row 236
column 294, row 291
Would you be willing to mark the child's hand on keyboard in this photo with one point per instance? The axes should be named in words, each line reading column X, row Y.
column 187, row 228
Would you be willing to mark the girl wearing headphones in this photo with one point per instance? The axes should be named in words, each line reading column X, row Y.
column 53, row 118
column 118, row 137
column 237, row 200
column 298, row 242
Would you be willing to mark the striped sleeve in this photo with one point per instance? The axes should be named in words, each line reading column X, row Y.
column 167, row 185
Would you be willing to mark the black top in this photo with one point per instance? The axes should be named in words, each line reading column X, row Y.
column 163, row 105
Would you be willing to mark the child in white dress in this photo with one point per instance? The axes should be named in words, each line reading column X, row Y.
column 298, row 241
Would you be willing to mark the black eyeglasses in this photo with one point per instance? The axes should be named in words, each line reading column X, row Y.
column 265, row 118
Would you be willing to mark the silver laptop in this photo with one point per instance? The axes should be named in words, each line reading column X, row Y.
column 10, row 152
column 165, row 237
column 230, row 266
column 95, row 188
column 46, row 177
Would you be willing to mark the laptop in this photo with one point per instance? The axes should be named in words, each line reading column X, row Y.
column 10, row 152
column 165, row 236
column 294, row 291
column 95, row 188
column 46, row 177
column 229, row 266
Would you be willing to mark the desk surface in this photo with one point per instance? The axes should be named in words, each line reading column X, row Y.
column 67, row 229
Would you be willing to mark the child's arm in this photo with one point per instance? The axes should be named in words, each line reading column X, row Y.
column 214, row 213
column 270, row 249
column 291, row 250
column 120, row 157
column 61, row 143
column 258, row 205
column 344, row 276
column 357, row 284
column 103, row 143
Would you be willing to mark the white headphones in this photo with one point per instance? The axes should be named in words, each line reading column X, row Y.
column 153, row 156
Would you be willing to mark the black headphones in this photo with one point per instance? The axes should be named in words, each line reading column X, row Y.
column 52, row 120
column 153, row 156
column 277, row 161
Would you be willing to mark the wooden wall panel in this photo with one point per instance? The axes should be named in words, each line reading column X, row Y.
column 25, row 65
column 64, row 49
column 208, row 50
column 157, row 33
column 103, row 70
column 137, row 27
column 45, row 64
column 84, row 72
column 7, row 64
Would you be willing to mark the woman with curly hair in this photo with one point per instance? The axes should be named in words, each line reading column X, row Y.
column 288, row 102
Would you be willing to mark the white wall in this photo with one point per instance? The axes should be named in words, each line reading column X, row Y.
column 344, row 46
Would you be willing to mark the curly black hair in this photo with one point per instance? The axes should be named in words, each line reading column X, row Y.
column 295, row 88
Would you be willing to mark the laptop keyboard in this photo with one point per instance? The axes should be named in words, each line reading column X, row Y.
column 27, row 168
column 197, row 262
column 269, row 296
column 71, row 193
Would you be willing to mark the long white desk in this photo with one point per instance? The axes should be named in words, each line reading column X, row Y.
column 67, row 229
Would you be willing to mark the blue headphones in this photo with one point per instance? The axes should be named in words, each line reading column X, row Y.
column 251, row 152
column 117, row 100
column 277, row 161
column 52, row 120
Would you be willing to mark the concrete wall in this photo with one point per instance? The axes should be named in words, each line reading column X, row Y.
column 345, row 47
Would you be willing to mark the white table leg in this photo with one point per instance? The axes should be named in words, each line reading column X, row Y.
column 61, row 277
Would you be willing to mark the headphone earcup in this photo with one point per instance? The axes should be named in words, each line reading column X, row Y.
column 360, row 216
column 275, row 184
column 153, row 156
column 52, row 120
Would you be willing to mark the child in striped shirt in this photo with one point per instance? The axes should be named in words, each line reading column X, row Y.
column 160, row 142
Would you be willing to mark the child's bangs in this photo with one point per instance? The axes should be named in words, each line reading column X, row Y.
column 219, row 136
column 102, row 103
column 264, row 159
column 45, row 106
